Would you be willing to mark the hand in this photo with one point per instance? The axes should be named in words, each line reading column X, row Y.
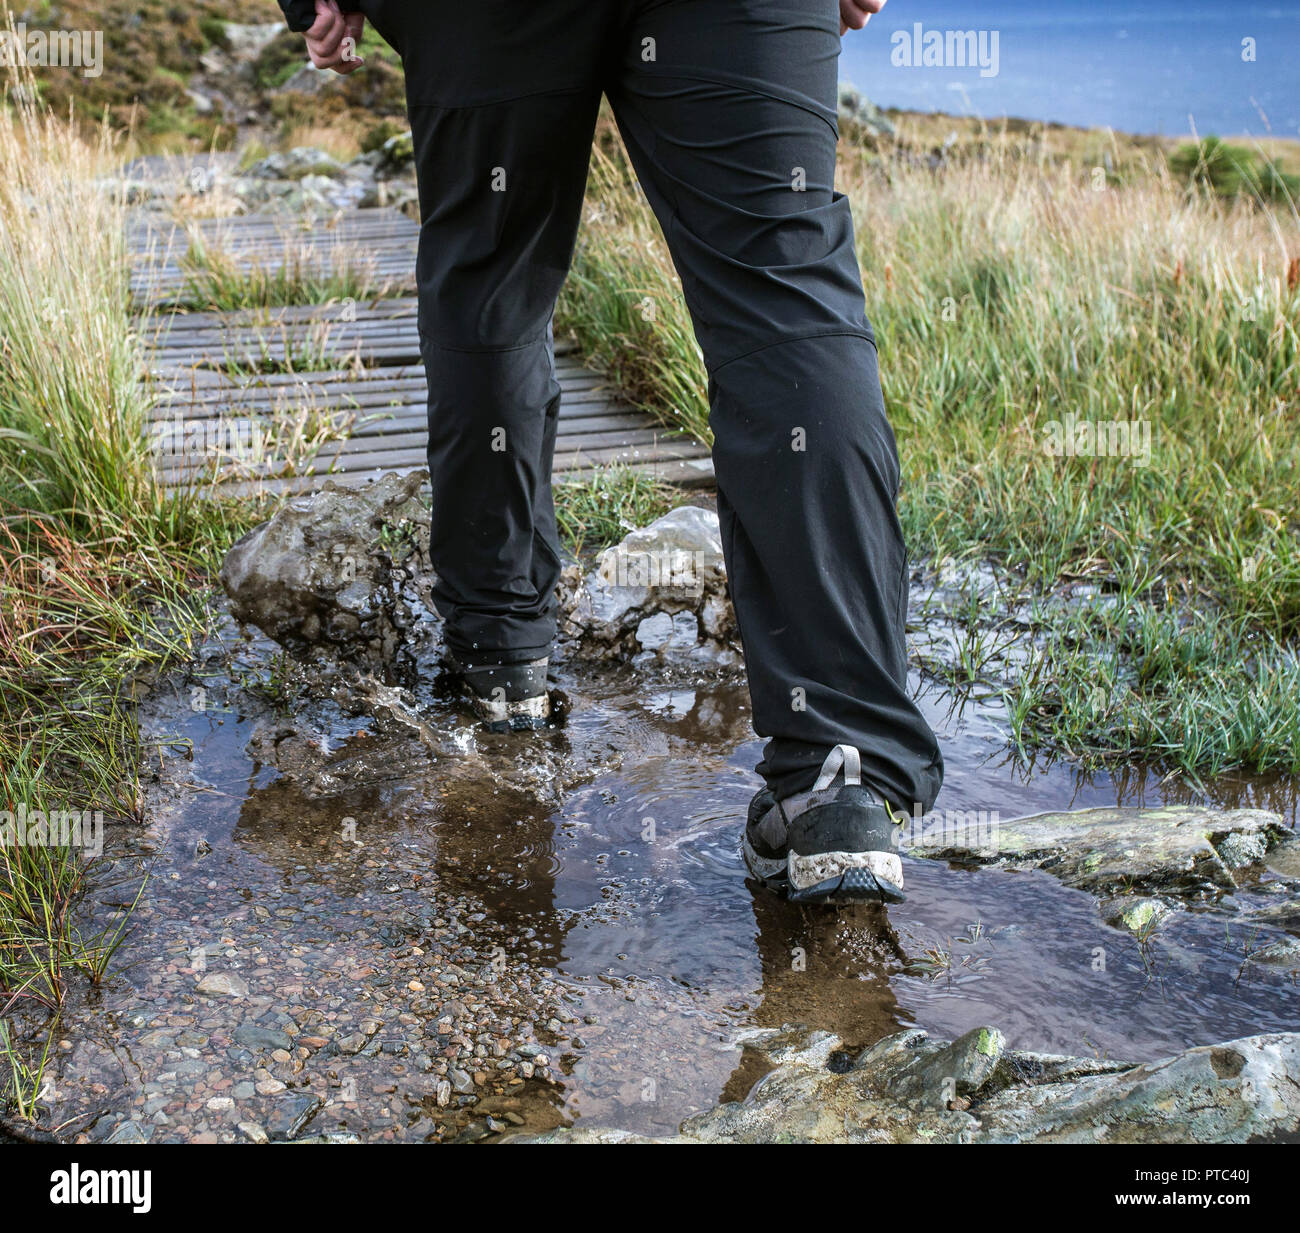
column 854, row 14
column 333, row 38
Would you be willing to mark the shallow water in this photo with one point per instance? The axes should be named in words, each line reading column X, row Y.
column 339, row 867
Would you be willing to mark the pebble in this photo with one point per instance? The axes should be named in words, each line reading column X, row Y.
column 223, row 984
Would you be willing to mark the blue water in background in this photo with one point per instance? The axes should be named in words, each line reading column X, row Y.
column 1156, row 67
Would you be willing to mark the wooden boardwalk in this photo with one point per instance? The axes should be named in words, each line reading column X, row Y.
column 278, row 400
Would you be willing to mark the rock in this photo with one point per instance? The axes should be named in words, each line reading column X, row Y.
column 290, row 1114
column 214, row 62
column 129, row 1132
column 1174, row 850
column 222, row 984
column 245, row 41
column 296, row 164
column 661, row 593
column 1284, row 858
column 1283, row 954
column 962, row 1068
column 253, row 1132
column 396, row 154
column 328, row 569
column 308, row 80
column 1136, row 914
column 858, row 112
column 1239, row 850
column 790, row 1045
column 908, row 1089
column 252, row 1036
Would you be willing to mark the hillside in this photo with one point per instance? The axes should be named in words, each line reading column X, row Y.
column 182, row 76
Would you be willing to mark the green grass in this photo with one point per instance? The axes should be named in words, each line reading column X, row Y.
column 101, row 571
column 1202, row 692
column 214, row 281
column 1233, row 171
column 623, row 303
column 1011, row 290
column 594, row 512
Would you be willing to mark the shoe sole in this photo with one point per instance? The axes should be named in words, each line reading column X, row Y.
column 772, row 873
column 831, row 877
column 845, row 877
column 523, row 715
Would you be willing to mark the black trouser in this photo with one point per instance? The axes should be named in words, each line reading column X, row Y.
column 728, row 110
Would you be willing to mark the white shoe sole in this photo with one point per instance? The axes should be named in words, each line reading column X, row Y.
column 500, row 715
column 807, row 871
column 845, row 877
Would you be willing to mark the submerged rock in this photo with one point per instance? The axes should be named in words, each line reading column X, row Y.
column 908, row 1089
column 1137, row 914
column 329, row 569
column 661, row 594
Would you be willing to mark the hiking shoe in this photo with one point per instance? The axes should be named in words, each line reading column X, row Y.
column 829, row 844
column 508, row 697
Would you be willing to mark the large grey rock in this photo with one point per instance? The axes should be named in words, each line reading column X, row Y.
column 1175, row 850
column 328, row 570
column 660, row 594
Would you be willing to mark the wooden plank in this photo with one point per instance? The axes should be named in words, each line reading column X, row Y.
column 683, row 473
column 405, row 448
column 373, row 388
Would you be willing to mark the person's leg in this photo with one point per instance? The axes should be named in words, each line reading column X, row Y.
column 728, row 109
column 502, row 99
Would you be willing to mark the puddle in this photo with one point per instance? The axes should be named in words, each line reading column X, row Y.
column 418, row 935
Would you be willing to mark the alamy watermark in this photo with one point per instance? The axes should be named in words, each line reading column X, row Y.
column 241, row 438
column 131, row 1188
column 973, row 830
column 24, row 48
column 922, row 48
column 674, row 570
column 1080, row 438
column 57, row 828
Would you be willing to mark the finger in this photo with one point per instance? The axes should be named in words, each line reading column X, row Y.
column 327, row 44
column 851, row 16
column 326, row 22
column 326, row 57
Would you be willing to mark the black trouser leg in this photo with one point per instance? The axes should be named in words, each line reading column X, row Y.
column 502, row 100
column 730, row 121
